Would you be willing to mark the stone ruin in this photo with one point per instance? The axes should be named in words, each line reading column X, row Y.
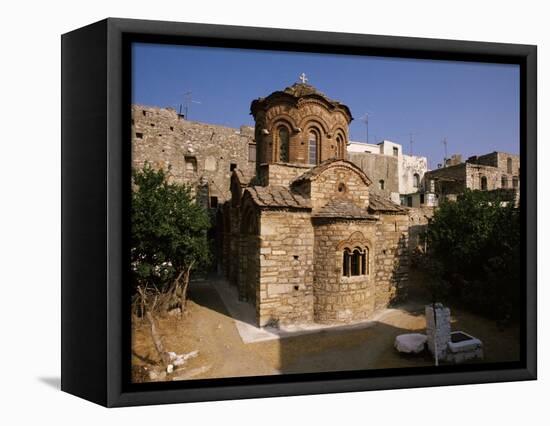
column 451, row 346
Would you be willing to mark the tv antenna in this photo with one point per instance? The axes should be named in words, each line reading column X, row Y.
column 444, row 142
column 365, row 119
column 188, row 100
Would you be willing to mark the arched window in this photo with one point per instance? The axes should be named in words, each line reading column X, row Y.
column 504, row 182
column 346, row 263
column 355, row 263
column 312, row 141
column 340, row 147
column 483, row 183
column 515, row 182
column 509, row 165
column 283, row 136
column 381, row 184
column 416, row 180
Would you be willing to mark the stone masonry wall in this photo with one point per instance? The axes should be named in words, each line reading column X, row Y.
column 474, row 173
column 280, row 174
column 418, row 225
column 195, row 152
column 391, row 259
column 338, row 298
column 340, row 181
column 285, row 293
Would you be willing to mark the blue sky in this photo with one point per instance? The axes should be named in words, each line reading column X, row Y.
column 474, row 105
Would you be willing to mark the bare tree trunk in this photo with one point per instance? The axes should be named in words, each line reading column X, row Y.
column 159, row 346
column 186, row 276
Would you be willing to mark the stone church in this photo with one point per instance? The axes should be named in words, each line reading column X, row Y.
column 304, row 238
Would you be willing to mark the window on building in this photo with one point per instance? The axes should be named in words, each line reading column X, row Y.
column 139, row 135
column 409, row 201
column 312, row 146
column 395, row 151
column 355, row 263
column 416, row 180
column 213, row 202
column 421, row 198
column 283, row 144
column 190, row 164
column 381, row 184
column 509, row 165
column 346, row 262
column 340, row 147
column 515, row 182
column 504, row 182
column 232, row 166
column 251, row 152
column 483, row 183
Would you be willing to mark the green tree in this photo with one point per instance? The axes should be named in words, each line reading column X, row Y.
column 477, row 241
column 168, row 238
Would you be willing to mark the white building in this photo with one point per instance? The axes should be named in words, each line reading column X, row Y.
column 411, row 168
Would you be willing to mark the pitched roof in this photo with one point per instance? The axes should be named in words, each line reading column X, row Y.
column 277, row 197
column 314, row 172
column 344, row 209
column 244, row 177
column 379, row 204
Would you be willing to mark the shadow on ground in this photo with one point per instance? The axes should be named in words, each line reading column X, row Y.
column 54, row 382
column 207, row 326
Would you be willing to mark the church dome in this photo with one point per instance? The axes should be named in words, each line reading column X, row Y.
column 300, row 125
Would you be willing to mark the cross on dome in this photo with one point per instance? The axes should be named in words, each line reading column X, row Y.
column 303, row 78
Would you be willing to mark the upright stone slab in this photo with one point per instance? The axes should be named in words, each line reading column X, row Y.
column 440, row 333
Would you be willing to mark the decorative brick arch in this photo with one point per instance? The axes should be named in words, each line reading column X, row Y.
column 356, row 245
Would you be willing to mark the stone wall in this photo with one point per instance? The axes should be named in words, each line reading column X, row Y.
column 340, row 298
column 391, row 261
column 475, row 173
column 419, row 218
column 338, row 182
column 285, row 291
column 499, row 160
column 193, row 152
column 378, row 168
column 280, row 174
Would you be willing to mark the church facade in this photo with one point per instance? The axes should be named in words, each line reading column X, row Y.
column 303, row 237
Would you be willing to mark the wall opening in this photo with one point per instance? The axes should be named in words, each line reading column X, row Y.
column 483, row 183
column 190, row 164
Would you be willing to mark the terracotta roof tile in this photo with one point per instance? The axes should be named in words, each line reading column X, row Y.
column 277, row 197
column 379, row 204
column 342, row 208
column 244, row 177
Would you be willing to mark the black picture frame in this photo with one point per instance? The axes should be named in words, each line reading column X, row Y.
column 95, row 190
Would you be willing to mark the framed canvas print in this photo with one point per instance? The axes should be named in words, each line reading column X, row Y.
column 253, row 212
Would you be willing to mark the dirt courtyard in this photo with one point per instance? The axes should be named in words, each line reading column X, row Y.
column 207, row 327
